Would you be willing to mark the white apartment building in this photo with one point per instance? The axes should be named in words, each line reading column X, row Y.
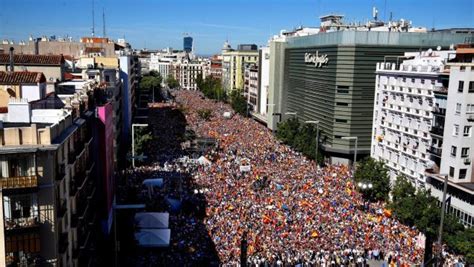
column 458, row 142
column 251, row 85
column 263, row 80
column 404, row 101
column 423, row 118
column 186, row 72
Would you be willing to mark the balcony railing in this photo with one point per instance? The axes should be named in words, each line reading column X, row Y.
column 63, row 242
column 71, row 158
column 21, row 223
column 62, row 208
column 435, row 150
column 61, row 171
column 19, row 182
column 437, row 130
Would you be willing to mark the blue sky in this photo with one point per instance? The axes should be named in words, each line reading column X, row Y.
column 160, row 23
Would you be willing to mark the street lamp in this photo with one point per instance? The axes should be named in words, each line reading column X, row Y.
column 291, row 113
column 443, row 211
column 355, row 150
column 317, row 138
column 133, row 139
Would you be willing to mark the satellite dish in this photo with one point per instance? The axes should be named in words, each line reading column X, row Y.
column 438, row 48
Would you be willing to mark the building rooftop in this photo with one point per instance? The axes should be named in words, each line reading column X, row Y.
column 21, row 77
column 379, row 38
column 54, row 60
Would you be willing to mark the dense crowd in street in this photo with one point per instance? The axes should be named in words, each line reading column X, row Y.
column 303, row 214
column 291, row 212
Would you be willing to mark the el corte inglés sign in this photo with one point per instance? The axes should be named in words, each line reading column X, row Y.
column 316, row 59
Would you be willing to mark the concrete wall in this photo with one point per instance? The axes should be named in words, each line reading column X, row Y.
column 75, row 49
column 461, row 120
column 264, row 79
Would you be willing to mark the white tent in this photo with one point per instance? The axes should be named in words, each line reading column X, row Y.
column 204, row 161
column 227, row 115
column 153, row 238
column 151, row 184
column 152, row 219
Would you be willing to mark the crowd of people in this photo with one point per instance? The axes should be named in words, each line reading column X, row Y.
column 305, row 214
column 289, row 211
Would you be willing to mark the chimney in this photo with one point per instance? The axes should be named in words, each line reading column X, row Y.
column 11, row 59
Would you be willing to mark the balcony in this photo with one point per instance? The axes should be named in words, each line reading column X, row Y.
column 22, row 224
column 84, row 241
column 439, row 111
column 470, row 117
column 71, row 157
column 61, row 172
column 437, row 130
column 19, row 182
column 435, row 150
column 72, row 188
column 63, row 243
column 61, row 208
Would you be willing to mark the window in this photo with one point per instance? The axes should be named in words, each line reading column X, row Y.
column 470, row 108
column 422, row 81
column 467, row 130
column 462, row 68
column 413, row 80
column 455, row 130
column 453, row 151
column 451, row 172
column 462, row 173
column 471, row 87
column 107, row 78
column 341, row 121
column 458, row 108
column 342, row 89
column 342, row 104
column 464, row 152
column 461, row 86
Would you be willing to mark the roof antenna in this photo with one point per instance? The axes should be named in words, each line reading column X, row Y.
column 103, row 22
column 93, row 21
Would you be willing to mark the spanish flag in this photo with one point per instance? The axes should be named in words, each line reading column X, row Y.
column 266, row 219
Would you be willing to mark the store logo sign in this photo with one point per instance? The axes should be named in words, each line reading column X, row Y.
column 316, row 59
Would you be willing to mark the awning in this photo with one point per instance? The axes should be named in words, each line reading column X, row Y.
column 157, row 220
column 204, row 161
column 153, row 238
column 156, row 182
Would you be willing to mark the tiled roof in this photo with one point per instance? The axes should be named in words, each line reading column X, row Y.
column 32, row 59
column 21, row 77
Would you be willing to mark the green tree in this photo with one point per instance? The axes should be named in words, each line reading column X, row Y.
column 152, row 81
column 238, row 102
column 143, row 138
column 154, row 73
column 372, row 171
column 402, row 195
column 205, row 114
column 288, row 130
column 172, row 82
column 462, row 242
column 418, row 208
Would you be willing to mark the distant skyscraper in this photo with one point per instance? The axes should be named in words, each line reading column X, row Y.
column 188, row 44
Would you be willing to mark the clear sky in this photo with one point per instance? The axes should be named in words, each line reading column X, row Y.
column 161, row 23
